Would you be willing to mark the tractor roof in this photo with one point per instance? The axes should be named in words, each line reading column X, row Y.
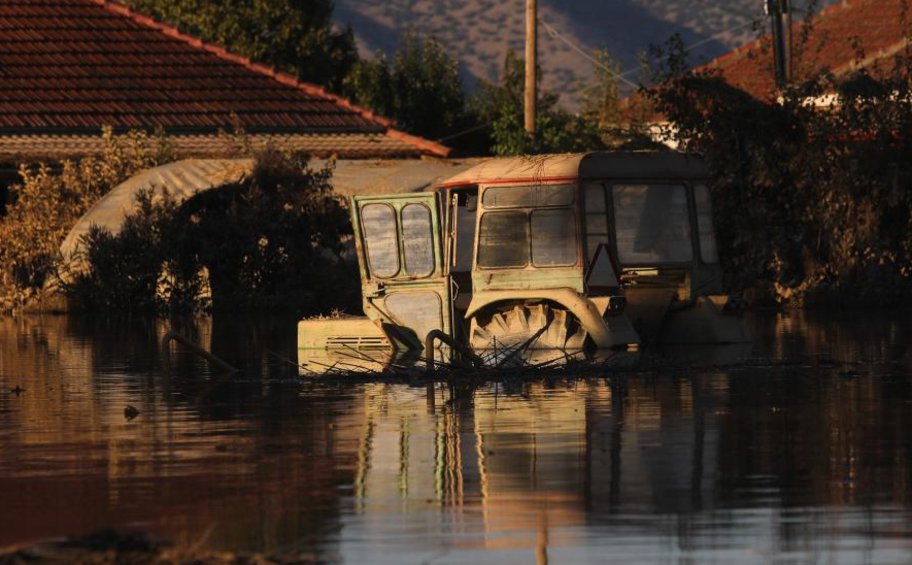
column 572, row 166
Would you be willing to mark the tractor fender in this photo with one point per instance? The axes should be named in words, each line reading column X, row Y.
column 620, row 331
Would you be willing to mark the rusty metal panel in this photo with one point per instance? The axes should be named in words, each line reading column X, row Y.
column 420, row 310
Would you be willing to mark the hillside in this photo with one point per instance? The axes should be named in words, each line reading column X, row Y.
column 478, row 32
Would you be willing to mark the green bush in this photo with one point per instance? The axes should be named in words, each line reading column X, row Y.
column 49, row 201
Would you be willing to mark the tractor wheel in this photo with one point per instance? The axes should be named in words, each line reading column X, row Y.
column 513, row 325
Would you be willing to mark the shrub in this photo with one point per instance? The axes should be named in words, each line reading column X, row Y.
column 48, row 201
column 129, row 271
column 272, row 241
column 812, row 203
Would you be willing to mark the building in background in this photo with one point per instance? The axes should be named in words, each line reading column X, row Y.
column 70, row 67
column 842, row 38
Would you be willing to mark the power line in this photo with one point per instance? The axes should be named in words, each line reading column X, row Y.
column 619, row 75
column 465, row 131
column 622, row 75
column 557, row 35
column 697, row 44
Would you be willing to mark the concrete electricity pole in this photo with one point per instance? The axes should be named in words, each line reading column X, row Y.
column 531, row 60
column 780, row 14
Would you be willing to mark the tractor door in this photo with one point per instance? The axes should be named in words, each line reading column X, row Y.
column 400, row 254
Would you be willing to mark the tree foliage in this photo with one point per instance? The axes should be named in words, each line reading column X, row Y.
column 47, row 202
column 271, row 241
column 601, row 99
column 813, row 202
column 621, row 124
column 297, row 37
column 421, row 88
column 422, row 91
column 501, row 105
column 124, row 271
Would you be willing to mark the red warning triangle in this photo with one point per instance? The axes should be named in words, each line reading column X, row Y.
column 602, row 273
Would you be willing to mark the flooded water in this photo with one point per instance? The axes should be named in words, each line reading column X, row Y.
column 801, row 453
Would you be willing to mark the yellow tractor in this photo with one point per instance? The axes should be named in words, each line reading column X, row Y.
column 555, row 252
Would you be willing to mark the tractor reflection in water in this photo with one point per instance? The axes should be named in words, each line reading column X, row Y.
column 561, row 253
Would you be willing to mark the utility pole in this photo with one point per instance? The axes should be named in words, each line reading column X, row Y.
column 779, row 12
column 787, row 8
column 531, row 60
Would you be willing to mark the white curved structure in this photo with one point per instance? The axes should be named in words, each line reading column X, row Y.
column 181, row 180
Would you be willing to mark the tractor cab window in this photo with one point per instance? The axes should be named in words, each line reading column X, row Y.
column 465, row 209
column 708, row 251
column 652, row 223
column 537, row 227
column 528, row 196
column 381, row 239
column 553, row 237
column 596, row 217
column 399, row 241
column 504, row 240
column 416, row 233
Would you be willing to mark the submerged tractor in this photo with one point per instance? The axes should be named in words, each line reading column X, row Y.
column 565, row 252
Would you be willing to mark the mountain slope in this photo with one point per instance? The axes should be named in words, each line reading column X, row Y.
column 479, row 32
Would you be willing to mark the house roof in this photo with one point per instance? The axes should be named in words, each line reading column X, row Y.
column 69, row 67
column 878, row 27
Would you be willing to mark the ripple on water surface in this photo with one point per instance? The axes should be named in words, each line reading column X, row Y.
column 801, row 454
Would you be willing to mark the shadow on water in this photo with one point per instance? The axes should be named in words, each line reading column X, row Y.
column 803, row 450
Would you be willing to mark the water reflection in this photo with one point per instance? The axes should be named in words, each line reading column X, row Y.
column 204, row 454
column 850, row 335
column 384, row 362
column 801, row 461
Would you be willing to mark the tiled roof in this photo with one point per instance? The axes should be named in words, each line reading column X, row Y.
column 876, row 26
column 72, row 66
column 25, row 148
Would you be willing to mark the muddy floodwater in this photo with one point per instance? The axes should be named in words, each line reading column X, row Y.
column 799, row 451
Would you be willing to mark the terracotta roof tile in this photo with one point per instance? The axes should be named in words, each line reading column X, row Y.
column 16, row 148
column 73, row 66
column 878, row 27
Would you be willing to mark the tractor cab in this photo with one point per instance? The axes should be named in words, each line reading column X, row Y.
column 565, row 252
column 519, row 264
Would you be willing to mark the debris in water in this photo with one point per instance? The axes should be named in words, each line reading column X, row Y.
column 17, row 390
